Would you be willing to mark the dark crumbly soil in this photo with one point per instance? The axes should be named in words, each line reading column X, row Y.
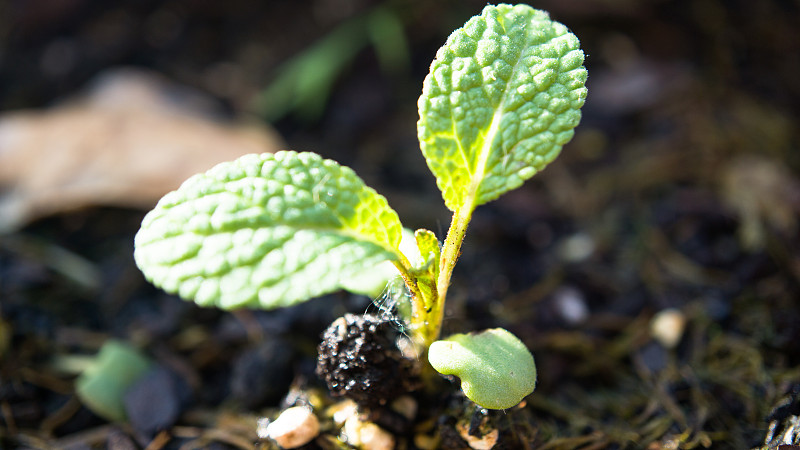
column 358, row 359
column 663, row 200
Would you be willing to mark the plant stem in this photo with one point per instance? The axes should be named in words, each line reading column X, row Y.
column 428, row 303
column 451, row 250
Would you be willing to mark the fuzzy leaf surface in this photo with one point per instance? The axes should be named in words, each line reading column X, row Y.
column 372, row 283
column 429, row 249
column 502, row 97
column 266, row 231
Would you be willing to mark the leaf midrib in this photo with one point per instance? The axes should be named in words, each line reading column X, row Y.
column 486, row 147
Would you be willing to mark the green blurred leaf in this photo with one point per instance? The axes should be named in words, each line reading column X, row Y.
column 266, row 231
column 303, row 84
column 102, row 386
column 496, row 369
column 388, row 38
column 502, row 97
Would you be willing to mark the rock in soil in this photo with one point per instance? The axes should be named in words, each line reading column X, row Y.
column 295, row 427
column 367, row 435
column 155, row 402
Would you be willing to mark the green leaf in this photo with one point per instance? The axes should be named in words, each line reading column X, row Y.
column 372, row 282
column 428, row 271
column 303, row 83
column 266, row 231
column 496, row 369
column 102, row 386
column 502, row 97
column 428, row 247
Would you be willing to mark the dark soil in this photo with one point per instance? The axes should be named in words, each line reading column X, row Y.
column 665, row 199
column 359, row 359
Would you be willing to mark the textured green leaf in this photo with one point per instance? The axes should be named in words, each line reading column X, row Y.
column 428, row 247
column 428, row 271
column 496, row 369
column 266, row 230
column 372, row 282
column 502, row 97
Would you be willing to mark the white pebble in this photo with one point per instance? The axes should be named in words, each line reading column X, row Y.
column 577, row 248
column 667, row 327
column 571, row 305
column 367, row 435
column 295, row 427
column 342, row 411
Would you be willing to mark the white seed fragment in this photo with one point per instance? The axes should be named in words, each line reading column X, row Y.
column 667, row 327
column 485, row 442
column 366, row 435
column 295, row 426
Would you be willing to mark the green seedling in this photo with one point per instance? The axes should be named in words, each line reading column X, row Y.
column 105, row 378
column 502, row 97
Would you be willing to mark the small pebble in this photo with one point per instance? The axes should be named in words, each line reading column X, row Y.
column 295, row 427
column 342, row 411
column 570, row 305
column 577, row 248
column 367, row 435
column 156, row 401
column 667, row 327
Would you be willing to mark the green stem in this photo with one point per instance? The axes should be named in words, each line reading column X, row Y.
column 447, row 261
column 428, row 304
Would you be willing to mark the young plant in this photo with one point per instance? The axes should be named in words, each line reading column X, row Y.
column 502, row 97
column 105, row 378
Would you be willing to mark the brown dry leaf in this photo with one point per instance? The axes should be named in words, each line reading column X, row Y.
column 127, row 144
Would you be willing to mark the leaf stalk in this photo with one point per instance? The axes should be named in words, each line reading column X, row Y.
column 430, row 329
